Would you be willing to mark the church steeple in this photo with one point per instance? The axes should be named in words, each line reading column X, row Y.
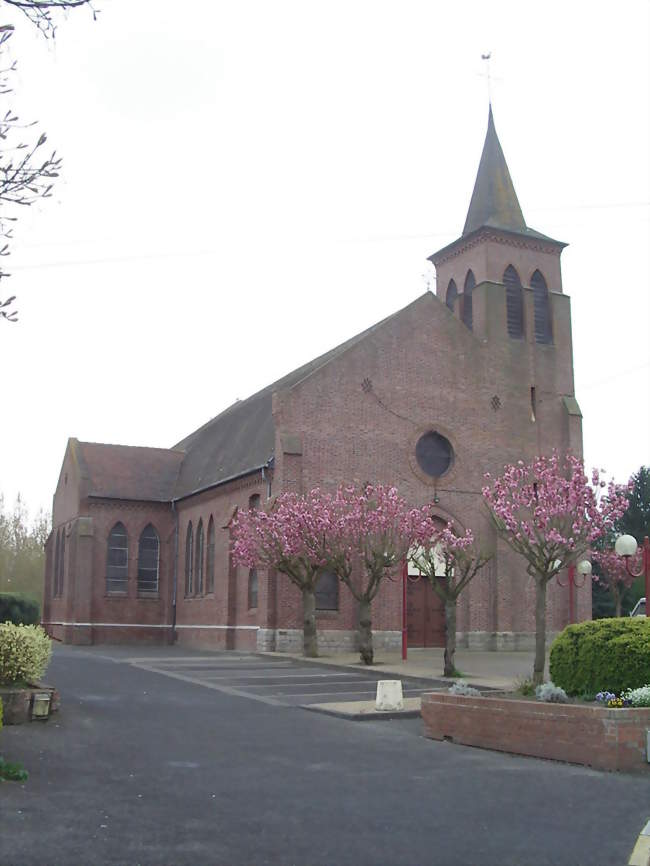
column 494, row 200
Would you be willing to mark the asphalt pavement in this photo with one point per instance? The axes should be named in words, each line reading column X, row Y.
column 205, row 767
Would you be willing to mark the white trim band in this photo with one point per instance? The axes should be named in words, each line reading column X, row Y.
column 149, row 625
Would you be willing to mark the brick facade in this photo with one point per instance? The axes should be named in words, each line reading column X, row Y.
column 354, row 415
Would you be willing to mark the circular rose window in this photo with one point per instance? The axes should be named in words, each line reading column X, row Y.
column 434, row 454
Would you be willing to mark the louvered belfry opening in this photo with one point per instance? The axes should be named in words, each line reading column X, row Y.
column 543, row 329
column 514, row 303
column 117, row 560
column 467, row 313
column 148, row 561
column 452, row 294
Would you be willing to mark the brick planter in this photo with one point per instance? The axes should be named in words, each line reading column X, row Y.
column 580, row 734
column 17, row 702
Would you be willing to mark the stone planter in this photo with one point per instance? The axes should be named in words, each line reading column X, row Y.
column 578, row 733
column 18, row 702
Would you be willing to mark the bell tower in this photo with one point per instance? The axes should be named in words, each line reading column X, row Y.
column 497, row 247
column 503, row 281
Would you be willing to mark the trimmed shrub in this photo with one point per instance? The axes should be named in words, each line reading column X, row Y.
column 25, row 652
column 605, row 654
column 19, row 609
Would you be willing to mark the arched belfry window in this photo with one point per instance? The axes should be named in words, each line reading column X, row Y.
column 198, row 569
column 543, row 329
column 466, row 313
column 452, row 294
column 210, row 570
column 148, row 561
column 189, row 560
column 57, row 553
column 514, row 303
column 117, row 560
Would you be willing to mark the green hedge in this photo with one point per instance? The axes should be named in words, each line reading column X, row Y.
column 19, row 609
column 605, row 654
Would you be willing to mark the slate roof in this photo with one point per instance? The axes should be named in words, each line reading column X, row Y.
column 129, row 472
column 494, row 202
column 242, row 437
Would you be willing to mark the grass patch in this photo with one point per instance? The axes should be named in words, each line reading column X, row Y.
column 12, row 772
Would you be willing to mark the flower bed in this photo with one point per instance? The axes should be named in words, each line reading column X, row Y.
column 588, row 734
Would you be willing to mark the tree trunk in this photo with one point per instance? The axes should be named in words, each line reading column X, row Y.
column 540, row 632
column 450, row 638
column 365, row 632
column 618, row 599
column 309, row 636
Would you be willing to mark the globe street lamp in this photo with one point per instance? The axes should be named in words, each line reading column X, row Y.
column 626, row 547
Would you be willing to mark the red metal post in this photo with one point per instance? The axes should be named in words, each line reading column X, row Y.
column 646, row 570
column 405, row 571
column 572, row 586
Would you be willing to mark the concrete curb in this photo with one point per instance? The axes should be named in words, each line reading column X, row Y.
column 372, row 716
column 641, row 854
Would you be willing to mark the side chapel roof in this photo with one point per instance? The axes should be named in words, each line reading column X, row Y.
column 128, row 471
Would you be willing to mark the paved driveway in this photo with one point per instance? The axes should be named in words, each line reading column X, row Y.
column 140, row 768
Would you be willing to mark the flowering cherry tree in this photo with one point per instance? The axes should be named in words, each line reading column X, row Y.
column 291, row 537
column 376, row 527
column 613, row 574
column 449, row 562
column 548, row 512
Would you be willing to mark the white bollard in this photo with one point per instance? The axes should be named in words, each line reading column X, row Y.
column 389, row 695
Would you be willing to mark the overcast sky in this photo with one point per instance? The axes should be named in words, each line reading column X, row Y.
column 247, row 184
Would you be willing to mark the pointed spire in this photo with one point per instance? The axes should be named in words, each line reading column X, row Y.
column 494, row 200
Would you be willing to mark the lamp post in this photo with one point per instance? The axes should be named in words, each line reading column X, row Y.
column 583, row 569
column 626, row 547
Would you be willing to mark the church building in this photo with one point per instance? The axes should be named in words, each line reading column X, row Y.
column 454, row 385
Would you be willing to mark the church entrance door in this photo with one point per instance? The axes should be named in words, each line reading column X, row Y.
column 425, row 615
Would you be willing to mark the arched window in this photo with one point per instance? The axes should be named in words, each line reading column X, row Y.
column 543, row 329
column 514, row 303
column 210, row 572
column 252, row 588
column 198, row 568
column 452, row 294
column 57, row 549
column 254, row 501
column 189, row 560
column 327, row 591
column 148, row 561
column 62, row 563
column 117, row 560
column 468, row 288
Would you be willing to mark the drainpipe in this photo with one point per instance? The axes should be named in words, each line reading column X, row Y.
column 175, row 579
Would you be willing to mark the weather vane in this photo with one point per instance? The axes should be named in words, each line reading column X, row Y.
column 486, row 58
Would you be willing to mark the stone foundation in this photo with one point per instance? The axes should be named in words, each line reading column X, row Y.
column 501, row 641
column 290, row 640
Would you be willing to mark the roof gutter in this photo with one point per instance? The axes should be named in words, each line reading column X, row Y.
column 252, row 471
